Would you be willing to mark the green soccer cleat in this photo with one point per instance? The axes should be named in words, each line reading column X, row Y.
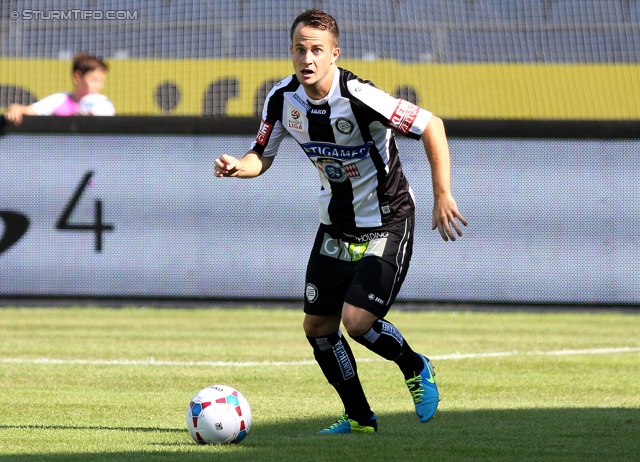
column 424, row 392
column 347, row 425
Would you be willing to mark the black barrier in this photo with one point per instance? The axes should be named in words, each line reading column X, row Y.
column 192, row 125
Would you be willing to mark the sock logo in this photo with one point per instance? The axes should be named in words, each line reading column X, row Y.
column 15, row 226
column 343, row 359
column 392, row 331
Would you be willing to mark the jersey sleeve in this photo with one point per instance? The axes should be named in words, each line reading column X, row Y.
column 402, row 116
column 271, row 131
column 269, row 137
column 47, row 106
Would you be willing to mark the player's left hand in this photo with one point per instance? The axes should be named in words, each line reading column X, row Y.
column 445, row 213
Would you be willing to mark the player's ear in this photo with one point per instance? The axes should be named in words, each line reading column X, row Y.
column 336, row 54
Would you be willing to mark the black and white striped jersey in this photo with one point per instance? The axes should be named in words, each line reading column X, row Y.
column 348, row 137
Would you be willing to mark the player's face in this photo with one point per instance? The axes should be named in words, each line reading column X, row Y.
column 314, row 57
column 89, row 83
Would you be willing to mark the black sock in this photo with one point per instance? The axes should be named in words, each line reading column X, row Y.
column 338, row 364
column 384, row 339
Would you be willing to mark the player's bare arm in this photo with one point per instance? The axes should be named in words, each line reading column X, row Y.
column 250, row 166
column 445, row 209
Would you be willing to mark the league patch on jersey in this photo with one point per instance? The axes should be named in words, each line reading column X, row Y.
column 263, row 133
column 403, row 117
column 296, row 120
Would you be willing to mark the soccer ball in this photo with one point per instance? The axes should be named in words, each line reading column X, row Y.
column 218, row 414
column 96, row 104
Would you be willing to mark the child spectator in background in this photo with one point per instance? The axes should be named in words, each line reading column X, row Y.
column 88, row 77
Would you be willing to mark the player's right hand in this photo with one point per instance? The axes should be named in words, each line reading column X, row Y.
column 227, row 165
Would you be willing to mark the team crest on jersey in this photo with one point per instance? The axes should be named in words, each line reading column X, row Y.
column 332, row 170
column 344, row 126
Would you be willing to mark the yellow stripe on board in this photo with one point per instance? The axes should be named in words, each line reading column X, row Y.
column 468, row 91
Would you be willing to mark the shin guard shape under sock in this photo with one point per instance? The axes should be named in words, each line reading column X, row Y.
column 384, row 339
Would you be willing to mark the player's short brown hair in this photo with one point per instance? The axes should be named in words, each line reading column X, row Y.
column 318, row 19
column 86, row 63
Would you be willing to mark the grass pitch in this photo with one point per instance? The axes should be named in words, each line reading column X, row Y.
column 89, row 384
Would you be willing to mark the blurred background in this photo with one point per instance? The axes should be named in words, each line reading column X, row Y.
column 479, row 59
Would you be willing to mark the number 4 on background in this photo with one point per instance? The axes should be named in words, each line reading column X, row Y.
column 97, row 226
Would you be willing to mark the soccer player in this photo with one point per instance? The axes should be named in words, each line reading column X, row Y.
column 88, row 75
column 363, row 246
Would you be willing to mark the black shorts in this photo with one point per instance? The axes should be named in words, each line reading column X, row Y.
column 365, row 270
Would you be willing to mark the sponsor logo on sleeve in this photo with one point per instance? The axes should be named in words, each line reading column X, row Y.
column 263, row 133
column 403, row 117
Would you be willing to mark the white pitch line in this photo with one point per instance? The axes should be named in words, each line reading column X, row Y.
column 454, row 356
column 566, row 352
column 153, row 362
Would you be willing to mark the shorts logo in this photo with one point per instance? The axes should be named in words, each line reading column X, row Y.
column 311, row 292
column 263, row 133
column 357, row 251
column 344, row 126
column 372, row 297
column 403, row 117
column 348, row 251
